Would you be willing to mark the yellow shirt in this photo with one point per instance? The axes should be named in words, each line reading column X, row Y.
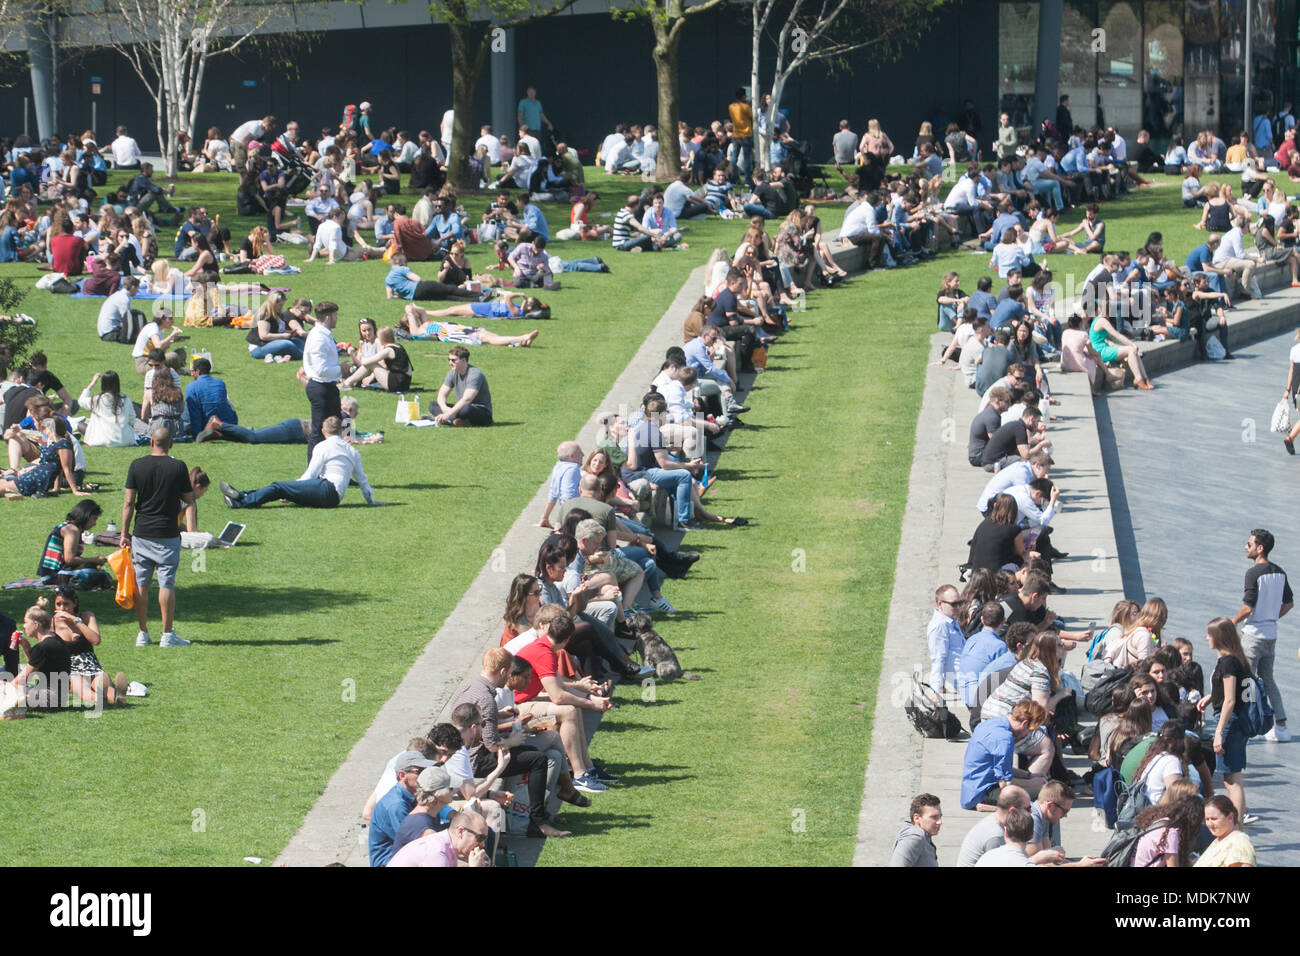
column 742, row 120
column 1233, row 850
column 1236, row 154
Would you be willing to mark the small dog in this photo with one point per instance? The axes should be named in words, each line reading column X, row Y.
column 655, row 651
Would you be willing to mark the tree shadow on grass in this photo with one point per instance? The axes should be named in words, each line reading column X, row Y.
column 286, row 642
column 219, row 602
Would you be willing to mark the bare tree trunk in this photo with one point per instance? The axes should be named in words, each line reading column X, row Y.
column 464, row 83
column 761, row 150
column 669, row 163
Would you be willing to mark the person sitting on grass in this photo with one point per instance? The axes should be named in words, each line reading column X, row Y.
column 55, row 462
column 473, row 398
column 532, row 267
column 63, row 547
column 49, row 660
column 389, row 365
column 416, row 321
column 111, row 414
column 276, row 335
column 206, row 398
column 79, row 630
column 334, row 465
column 1093, row 229
column 402, row 283
column 329, row 239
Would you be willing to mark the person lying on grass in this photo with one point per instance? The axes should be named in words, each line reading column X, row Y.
column 416, row 321
column 510, row 305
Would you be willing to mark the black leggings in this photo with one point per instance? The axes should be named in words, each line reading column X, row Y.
column 523, row 759
column 428, row 289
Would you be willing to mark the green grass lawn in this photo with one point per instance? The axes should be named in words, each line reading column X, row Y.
column 761, row 762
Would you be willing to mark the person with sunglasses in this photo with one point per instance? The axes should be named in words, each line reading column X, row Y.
column 945, row 638
column 461, row 844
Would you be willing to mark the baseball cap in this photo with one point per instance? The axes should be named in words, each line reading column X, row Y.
column 412, row 758
column 434, row 778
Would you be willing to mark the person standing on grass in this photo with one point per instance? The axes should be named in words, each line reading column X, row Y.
column 157, row 486
column 915, row 843
column 1267, row 598
column 320, row 372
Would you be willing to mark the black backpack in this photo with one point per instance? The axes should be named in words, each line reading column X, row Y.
column 926, row 710
column 1119, row 851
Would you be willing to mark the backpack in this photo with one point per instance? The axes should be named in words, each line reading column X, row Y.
column 1100, row 681
column 1105, row 794
column 1256, row 712
column 926, row 710
column 1123, row 845
column 1098, row 639
column 1131, row 800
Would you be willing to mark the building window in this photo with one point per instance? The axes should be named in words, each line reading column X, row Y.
column 1018, row 59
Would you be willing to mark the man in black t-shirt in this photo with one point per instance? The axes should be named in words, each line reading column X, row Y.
column 50, row 662
column 157, row 489
column 47, row 382
column 764, row 200
column 736, row 324
column 1011, row 442
column 985, row 425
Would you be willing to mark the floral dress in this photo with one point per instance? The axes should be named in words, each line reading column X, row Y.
column 35, row 482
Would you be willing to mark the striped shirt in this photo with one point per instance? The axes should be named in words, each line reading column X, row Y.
column 715, row 194
column 622, row 230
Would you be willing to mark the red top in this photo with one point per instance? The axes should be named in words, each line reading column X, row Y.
column 541, row 655
column 68, row 254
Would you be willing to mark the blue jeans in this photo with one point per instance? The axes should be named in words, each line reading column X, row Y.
column 757, row 209
column 289, row 347
column 312, row 493
column 947, row 318
column 1050, row 189
column 288, row 432
column 645, row 242
column 741, row 154
column 654, row 578
column 581, row 265
column 677, row 482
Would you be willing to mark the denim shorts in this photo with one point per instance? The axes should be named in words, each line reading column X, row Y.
column 1233, row 758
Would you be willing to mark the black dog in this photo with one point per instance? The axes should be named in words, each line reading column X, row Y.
column 655, row 651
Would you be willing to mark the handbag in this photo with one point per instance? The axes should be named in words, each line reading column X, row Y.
column 119, row 562
column 1214, row 349
column 407, row 411
column 1116, row 377
column 1281, row 421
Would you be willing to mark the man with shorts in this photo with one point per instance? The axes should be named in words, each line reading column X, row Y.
column 473, row 398
column 157, row 487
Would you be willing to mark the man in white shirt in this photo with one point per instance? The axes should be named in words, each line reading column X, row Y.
column 445, row 129
column 126, row 151
column 534, row 147
column 963, row 199
column 330, row 240
column 682, row 427
column 861, row 229
column 244, row 134
column 334, row 464
column 1231, row 257
column 1037, row 465
column 619, row 155
column 115, row 323
column 319, row 207
column 613, row 142
column 320, row 372
column 489, row 142
column 679, row 197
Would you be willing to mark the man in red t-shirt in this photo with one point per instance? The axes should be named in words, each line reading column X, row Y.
column 67, row 254
column 564, row 698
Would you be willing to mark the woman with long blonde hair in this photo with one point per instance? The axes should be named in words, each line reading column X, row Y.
column 271, row 337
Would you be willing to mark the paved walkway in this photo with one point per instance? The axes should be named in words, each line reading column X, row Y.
column 333, row 830
column 1198, row 469
column 939, row 521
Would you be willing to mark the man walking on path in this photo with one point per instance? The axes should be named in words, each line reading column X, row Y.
column 1267, row 598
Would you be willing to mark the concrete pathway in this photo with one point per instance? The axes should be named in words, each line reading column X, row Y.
column 333, row 830
column 1197, row 470
column 938, row 522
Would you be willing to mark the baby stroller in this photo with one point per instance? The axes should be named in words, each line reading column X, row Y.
column 297, row 174
column 800, row 171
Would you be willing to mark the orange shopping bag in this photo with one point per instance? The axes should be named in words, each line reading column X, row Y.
column 120, row 564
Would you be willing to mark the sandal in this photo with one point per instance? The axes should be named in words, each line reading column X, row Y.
column 576, row 797
column 736, row 521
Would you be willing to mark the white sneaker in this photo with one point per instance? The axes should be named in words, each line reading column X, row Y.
column 1279, row 735
column 136, row 689
column 171, row 640
column 142, row 639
